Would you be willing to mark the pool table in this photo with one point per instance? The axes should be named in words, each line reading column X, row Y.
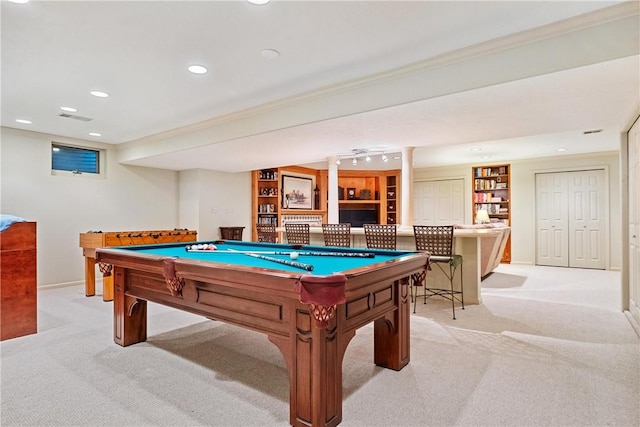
column 311, row 316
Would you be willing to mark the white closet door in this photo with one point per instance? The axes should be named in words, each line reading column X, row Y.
column 552, row 220
column 586, row 219
column 438, row 202
column 571, row 219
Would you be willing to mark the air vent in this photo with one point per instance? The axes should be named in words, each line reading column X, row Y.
column 73, row 116
column 587, row 132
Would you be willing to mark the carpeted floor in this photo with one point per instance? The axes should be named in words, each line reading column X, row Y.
column 548, row 347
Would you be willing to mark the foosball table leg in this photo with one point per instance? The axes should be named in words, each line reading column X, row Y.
column 89, row 276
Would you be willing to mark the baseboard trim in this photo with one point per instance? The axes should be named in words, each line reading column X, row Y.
column 632, row 320
column 60, row 285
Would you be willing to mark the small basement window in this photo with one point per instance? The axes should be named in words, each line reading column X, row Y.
column 74, row 159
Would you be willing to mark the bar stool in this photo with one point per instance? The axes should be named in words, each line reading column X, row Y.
column 297, row 234
column 337, row 234
column 380, row 236
column 438, row 241
column 266, row 233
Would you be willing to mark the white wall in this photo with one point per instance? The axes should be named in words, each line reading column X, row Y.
column 210, row 199
column 189, row 201
column 128, row 198
column 136, row 198
column 523, row 198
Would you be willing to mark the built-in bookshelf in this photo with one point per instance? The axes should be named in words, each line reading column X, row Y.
column 271, row 206
column 267, row 197
column 392, row 199
column 492, row 197
column 364, row 196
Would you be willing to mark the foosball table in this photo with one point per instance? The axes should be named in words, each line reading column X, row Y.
column 97, row 239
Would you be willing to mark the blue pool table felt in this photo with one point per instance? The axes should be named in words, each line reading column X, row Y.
column 322, row 265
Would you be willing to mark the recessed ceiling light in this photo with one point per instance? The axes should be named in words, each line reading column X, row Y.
column 69, row 109
column 99, row 94
column 95, row 134
column 24, row 121
column 258, row 2
column 397, row 157
column 486, row 157
column 476, row 149
column 197, row 69
column 19, row 1
column 561, row 149
column 270, row 53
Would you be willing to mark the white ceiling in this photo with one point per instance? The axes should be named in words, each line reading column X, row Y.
column 516, row 78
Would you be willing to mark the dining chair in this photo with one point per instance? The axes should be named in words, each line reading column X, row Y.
column 438, row 241
column 266, row 233
column 337, row 234
column 297, row 234
column 380, row 236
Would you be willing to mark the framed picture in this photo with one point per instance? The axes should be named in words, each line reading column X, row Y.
column 297, row 192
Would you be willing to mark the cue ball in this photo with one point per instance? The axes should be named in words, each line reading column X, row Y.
column 294, row 255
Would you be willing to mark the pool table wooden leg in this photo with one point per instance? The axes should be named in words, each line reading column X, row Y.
column 130, row 313
column 391, row 333
column 107, row 288
column 314, row 361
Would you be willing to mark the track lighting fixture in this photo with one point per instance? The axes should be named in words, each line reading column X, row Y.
column 362, row 154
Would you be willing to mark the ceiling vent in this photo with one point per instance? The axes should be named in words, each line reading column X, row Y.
column 73, row 116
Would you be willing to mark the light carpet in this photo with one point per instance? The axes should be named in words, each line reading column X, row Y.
column 548, row 347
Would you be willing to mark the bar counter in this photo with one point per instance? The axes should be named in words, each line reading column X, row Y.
column 481, row 249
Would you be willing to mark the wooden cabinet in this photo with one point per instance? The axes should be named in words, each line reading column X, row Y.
column 368, row 197
column 492, row 197
column 18, row 281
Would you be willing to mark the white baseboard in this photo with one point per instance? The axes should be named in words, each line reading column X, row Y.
column 60, row 285
column 633, row 315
